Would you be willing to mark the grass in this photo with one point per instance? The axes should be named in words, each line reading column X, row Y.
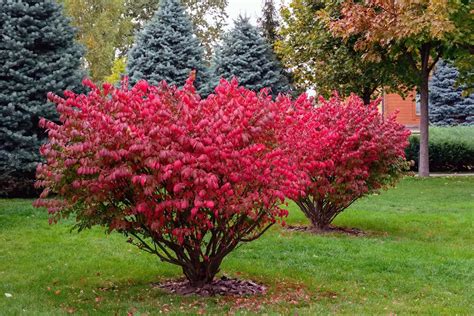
column 417, row 258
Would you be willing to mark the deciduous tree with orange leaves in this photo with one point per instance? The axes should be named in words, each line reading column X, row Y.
column 420, row 31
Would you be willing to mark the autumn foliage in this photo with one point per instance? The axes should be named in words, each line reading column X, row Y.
column 383, row 22
column 412, row 35
column 189, row 180
column 186, row 179
column 346, row 150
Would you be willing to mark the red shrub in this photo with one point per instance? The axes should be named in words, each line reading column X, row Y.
column 346, row 150
column 186, row 179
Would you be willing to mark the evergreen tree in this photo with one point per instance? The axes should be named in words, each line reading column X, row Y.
column 166, row 49
column 208, row 17
column 269, row 22
column 246, row 55
column 37, row 55
column 447, row 104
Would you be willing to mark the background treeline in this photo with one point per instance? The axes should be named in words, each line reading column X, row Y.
column 49, row 46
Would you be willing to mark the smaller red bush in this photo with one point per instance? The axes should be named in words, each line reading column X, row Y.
column 346, row 150
column 188, row 179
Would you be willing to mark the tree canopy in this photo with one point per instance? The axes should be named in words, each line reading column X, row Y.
column 269, row 22
column 419, row 32
column 245, row 54
column 319, row 60
column 167, row 49
column 103, row 29
column 107, row 27
column 448, row 106
column 208, row 17
column 32, row 63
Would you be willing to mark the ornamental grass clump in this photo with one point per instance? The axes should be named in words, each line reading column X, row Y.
column 185, row 179
column 346, row 150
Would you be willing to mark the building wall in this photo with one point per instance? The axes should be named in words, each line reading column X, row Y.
column 406, row 109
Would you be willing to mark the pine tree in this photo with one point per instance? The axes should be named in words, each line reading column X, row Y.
column 167, row 49
column 208, row 17
column 268, row 22
column 246, row 55
column 37, row 55
column 447, row 104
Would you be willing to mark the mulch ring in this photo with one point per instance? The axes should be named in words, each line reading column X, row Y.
column 284, row 295
column 329, row 230
column 224, row 286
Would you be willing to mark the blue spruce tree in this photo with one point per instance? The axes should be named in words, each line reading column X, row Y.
column 167, row 49
column 246, row 55
column 37, row 55
column 447, row 105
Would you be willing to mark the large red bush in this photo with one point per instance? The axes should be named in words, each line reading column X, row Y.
column 346, row 150
column 186, row 179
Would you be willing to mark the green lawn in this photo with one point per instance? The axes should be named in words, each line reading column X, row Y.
column 416, row 258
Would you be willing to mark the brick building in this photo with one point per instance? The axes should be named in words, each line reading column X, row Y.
column 408, row 111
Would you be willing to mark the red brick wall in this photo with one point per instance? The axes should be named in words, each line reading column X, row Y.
column 406, row 109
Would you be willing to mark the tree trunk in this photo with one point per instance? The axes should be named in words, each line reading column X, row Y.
column 202, row 273
column 423, row 165
column 320, row 225
column 366, row 97
column 319, row 217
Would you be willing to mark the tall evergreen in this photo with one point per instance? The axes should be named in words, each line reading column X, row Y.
column 447, row 104
column 37, row 55
column 268, row 22
column 245, row 54
column 167, row 49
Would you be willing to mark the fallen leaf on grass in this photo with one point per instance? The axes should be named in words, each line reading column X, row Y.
column 70, row 310
column 284, row 294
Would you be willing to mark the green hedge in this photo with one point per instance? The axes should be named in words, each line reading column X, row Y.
column 451, row 149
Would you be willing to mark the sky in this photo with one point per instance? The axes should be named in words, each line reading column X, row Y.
column 250, row 8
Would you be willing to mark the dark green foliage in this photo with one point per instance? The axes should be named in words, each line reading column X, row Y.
column 166, row 49
column 246, row 55
column 450, row 148
column 37, row 55
column 269, row 22
column 448, row 106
